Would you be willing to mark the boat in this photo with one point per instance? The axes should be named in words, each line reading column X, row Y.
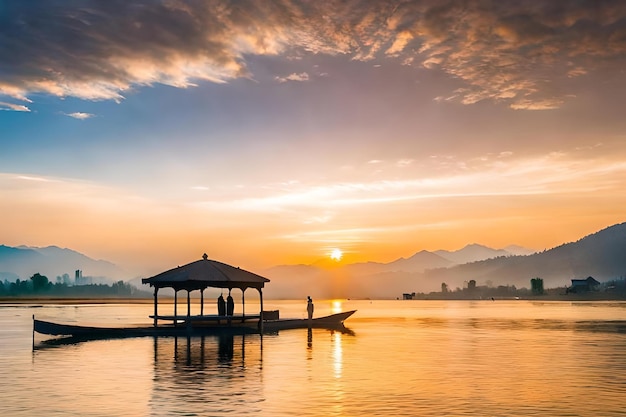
column 333, row 321
column 198, row 276
column 191, row 328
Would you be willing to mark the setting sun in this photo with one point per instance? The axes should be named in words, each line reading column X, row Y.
column 336, row 254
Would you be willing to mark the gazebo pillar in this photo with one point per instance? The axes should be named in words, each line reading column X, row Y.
column 261, row 312
column 202, row 301
column 188, row 304
column 156, row 303
column 175, row 307
column 243, row 304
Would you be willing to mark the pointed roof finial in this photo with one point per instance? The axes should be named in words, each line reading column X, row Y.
column 205, row 257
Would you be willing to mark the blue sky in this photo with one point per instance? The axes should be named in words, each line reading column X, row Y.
column 266, row 132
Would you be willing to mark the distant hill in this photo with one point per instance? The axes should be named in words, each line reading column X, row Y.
column 519, row 250
column 52, row 261
column 601, row 255
column 419, row 262
column 327, row 279
column 472, row 253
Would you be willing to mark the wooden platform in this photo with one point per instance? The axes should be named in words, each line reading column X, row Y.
column 208, row 318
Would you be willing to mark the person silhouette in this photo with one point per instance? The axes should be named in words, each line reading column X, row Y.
column 230, row 305
column 309, row 307
column 221, row 306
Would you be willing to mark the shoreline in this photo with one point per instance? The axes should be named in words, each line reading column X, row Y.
column 80, row 300
column 547, row 297
column 167, row 300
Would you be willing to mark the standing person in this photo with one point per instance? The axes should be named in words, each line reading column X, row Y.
column 221, row 306
column 230, row 305
column 309, row 307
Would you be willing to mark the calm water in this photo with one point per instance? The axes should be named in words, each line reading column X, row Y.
column 404, row 358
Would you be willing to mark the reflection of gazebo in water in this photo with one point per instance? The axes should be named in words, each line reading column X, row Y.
column 200, row 275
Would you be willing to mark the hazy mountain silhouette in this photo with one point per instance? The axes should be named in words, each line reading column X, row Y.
column 472, row 253
column 518, row 250
column 601, row 255
column 52, row 261
column 419, row 262
column 327, row 278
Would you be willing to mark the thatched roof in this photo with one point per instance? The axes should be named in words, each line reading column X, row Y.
column 206, row 273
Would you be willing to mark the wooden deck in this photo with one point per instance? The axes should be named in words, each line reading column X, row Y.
column 208, row 318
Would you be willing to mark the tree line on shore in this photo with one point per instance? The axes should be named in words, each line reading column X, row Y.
column 615, row 288
column 39, row 285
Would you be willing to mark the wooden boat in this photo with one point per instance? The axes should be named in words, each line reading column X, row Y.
column 326, row 322
column 191, row 328
column 198, row 276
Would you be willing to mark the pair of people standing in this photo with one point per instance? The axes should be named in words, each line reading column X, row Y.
column 225, row 308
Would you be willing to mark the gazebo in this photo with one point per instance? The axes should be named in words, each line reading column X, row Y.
column 200, row 275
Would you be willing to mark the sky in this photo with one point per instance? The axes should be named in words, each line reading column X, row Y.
column 262, row 133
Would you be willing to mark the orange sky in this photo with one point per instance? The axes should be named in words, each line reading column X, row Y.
column 284, row 132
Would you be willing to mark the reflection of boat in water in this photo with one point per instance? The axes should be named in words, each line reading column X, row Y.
column 191, row 328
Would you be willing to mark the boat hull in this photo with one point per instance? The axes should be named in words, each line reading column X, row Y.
column 334, row 321
column 326, row 322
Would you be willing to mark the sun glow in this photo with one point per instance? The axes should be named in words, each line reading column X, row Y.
column 336, row 254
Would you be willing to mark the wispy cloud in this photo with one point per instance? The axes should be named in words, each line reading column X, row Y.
column 13, row 107
column 303, row 76
column 80, row 115
column 488, row 176
column 518, row 53
column 33, row 178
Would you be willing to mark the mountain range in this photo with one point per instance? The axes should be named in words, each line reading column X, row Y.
column 24, row 261
column 601, row 255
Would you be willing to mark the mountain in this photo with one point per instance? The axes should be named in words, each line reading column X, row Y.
column 472, row 253
column 327, row 279
column 419, row 262
column 601, row 255
column 519, row 250
column 52, row 261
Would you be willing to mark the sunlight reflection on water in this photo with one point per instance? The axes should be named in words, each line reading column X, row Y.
column 426, row 358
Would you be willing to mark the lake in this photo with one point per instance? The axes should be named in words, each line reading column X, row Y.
column 400, row 358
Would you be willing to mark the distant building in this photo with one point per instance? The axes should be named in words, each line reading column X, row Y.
column 583, row 285
column 407, row 296
column 79, row 279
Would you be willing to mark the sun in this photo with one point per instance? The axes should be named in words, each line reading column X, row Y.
column 336, row 254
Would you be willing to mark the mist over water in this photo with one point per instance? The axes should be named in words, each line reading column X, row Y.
column 413, row 358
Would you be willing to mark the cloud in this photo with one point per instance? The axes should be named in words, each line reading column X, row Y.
column 303, row 76
column 516, row 52
column 487, row 176
column 13, row 107
column 80, row 115
column 33, row 178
